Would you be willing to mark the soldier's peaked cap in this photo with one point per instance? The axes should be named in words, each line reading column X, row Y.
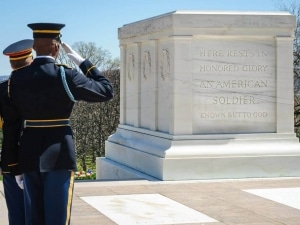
column 46, row 30
column 19, row 50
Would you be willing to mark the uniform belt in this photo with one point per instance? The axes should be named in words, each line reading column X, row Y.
column 47, row 123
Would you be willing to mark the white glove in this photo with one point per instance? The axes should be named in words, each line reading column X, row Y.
column 74, row 56
column 19, row 180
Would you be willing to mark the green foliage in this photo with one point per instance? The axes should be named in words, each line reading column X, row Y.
column 86, row 174
column 90, row 164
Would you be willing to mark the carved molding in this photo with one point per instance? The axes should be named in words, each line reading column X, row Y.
column 165, row 64
column 147, row 65
column 130, row 67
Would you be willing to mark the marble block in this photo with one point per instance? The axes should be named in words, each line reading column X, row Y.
column 205, row 95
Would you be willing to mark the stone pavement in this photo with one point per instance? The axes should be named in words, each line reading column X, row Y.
column 273, row 201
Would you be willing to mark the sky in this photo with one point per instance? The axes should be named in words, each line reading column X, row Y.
column 98, row 21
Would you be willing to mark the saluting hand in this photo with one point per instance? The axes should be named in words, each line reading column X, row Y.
column 74, row 56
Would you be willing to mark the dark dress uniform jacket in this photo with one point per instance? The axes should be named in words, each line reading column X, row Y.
column 9, row 153
column 38, row 93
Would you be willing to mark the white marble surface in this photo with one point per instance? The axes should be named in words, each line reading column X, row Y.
column 286, row 196
column 206, row 95
column 144, row 209
column 156, row 209
column 201, row 72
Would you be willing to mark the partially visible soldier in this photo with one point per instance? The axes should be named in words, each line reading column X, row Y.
column 44, row 94
column 20, row 56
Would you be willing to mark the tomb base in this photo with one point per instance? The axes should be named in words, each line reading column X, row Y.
column 133, row 153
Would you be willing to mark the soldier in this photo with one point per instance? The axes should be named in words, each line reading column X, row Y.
column 44, row 94
column 20, row 55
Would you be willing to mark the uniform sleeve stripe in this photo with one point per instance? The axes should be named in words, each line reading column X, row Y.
column 70, row 195
column 89, row 70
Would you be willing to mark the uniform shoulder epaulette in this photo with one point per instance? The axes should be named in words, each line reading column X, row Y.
column 64, row 65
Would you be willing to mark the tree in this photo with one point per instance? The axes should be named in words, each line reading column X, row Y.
column 92, row 123
column 98, row 56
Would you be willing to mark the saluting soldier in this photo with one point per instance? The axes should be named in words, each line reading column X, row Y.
column 44, row 94
column 20, row 55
